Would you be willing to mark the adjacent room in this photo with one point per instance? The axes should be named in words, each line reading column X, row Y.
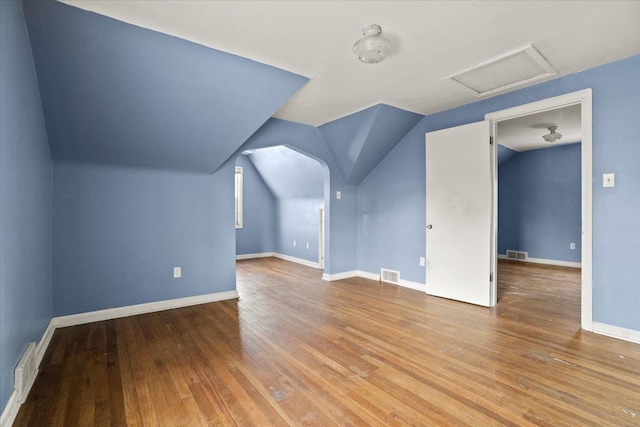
column 319, row 213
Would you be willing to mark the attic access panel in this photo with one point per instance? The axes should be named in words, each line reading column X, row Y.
column 512, row 69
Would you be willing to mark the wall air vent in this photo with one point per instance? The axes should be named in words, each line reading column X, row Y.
column 509, row 70
column 390, row 276
column 516, row 255
column 25, row 372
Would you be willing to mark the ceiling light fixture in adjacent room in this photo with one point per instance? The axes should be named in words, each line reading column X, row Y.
column 372, row 48
column 552, row 136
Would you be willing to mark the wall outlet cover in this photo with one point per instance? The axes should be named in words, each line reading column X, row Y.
column 177, row 272
column 608, row 179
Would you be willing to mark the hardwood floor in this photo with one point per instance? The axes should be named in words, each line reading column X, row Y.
column 295, row 350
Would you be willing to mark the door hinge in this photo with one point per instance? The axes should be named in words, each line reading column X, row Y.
column 490, row 140
column 491, row 277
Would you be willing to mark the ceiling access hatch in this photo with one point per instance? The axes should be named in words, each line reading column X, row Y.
column 512, row 69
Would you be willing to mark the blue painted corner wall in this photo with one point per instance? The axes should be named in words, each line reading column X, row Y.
column 118, row 232
column 25, row 199
column 257, row 234
column 361, row 140
column 539, row 203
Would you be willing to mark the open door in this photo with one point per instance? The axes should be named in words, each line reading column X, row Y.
column 459, row 209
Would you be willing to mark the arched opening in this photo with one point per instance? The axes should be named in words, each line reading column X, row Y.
column 281, row 196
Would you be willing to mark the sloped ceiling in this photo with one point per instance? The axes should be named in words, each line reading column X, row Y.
column 289, row 174
column 430, row 39
column 360, row 141
column 118, row 94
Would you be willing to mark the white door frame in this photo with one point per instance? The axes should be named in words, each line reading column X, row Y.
column 321, row 226
column 584, row 98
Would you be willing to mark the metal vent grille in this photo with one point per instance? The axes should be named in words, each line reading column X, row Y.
column 25, row 372
column 390, row 276
column 516, row 255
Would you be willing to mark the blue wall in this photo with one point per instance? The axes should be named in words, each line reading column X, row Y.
column 616, row 239
column 258, row 232
column 25, row 199
column 115, row 93
column 139, row 125
column 298, row 220
column 505, row 154
column 539, row 210
column 118, row 233
column 392, row 211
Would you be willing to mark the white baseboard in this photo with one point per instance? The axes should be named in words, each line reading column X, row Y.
column 13, row 405
column 616, row 332
column 10, row 410
column 571, row 264
column 372, row 276
column 41, row 349
column 413, row 285
column 404, row 283
column 258, row 255
column 297, row 260
column 339, row 276
column 132, row 310
column 367, row 275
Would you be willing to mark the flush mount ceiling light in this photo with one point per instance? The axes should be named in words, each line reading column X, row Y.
column 372, row 48
column 552, row 136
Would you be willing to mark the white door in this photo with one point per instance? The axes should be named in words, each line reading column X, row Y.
column 459, row 203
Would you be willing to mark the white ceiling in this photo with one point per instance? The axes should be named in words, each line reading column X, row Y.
column 430, row 39
column 525, row 133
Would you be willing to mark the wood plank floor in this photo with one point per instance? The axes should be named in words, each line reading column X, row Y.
column 295, row 350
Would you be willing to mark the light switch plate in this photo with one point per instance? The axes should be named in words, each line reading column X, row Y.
column 608, row 179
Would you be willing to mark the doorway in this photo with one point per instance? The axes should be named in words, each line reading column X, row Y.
column 282, row 194
column 583, row 100
column 450, row 198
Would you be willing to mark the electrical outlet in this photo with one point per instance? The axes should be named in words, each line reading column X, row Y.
column 177, row 272
column 338, row 195
column 307, row 245
column 572, row 246
column 294, row 243
column 422, row 261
